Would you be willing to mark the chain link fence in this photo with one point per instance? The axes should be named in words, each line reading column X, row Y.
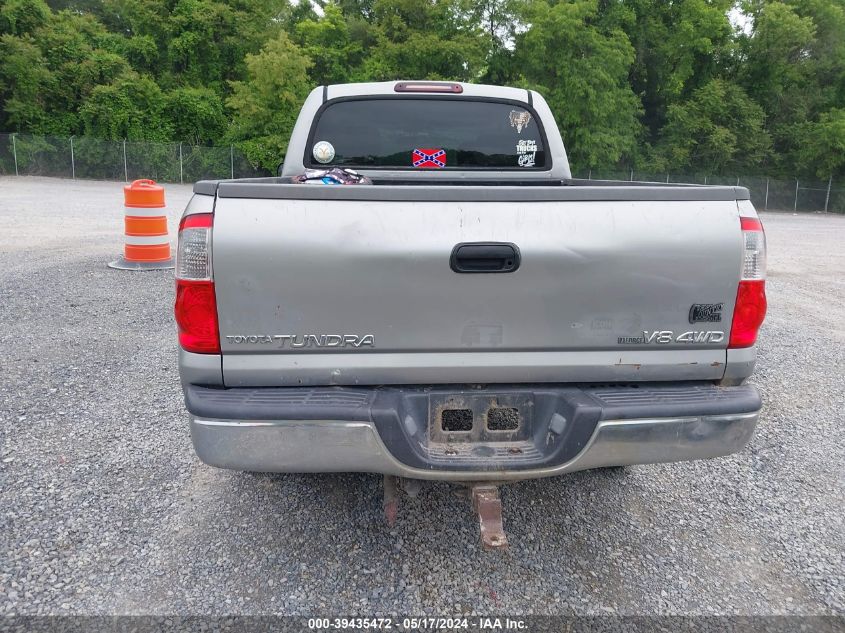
column 766, row 193
column 96, row 159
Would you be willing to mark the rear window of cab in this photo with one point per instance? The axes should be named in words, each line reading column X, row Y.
column 419, row 133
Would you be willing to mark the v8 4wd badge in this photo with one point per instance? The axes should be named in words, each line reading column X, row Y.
column 666, row 337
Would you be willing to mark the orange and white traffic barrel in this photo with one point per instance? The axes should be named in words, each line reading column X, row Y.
column 147, row 244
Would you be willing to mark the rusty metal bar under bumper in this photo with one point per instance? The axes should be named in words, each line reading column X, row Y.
column 488, row 505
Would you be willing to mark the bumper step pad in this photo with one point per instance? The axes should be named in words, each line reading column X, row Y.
column 477, row 430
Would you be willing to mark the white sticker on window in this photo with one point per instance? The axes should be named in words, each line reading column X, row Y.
column 526, row 150
column 323, row 152
column 519, row 120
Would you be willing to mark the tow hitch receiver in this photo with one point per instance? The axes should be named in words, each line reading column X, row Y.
column 488, row 505
column 485, row 501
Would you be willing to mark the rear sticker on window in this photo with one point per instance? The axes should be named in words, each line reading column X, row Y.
column 429, row 158
column 526, row 150
column 323, row 152
column 519, row 120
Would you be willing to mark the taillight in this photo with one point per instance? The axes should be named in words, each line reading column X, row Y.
column 196, row 304
column 750, row 308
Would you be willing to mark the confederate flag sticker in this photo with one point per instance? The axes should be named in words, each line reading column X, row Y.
column 429, row 158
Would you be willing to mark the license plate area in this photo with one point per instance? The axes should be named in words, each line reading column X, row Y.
column 482, row 418
column 485, row 428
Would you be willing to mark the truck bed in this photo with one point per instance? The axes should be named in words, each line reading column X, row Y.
column 299, row 268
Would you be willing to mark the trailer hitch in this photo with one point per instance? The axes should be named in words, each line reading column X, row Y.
column 488, row 505
column 485, row 501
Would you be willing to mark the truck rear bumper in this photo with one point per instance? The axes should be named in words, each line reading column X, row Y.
column 399, row 431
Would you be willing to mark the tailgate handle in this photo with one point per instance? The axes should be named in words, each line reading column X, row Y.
column 484, row 257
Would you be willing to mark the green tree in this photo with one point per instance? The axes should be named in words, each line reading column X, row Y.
column 793, row 64
column 679, row 46
column 198, row 42
column 46, row 75
column 25, row 83
column 196, row 115
column 131, row 108
column 266, row 104
column 719, row 129
column 501, row 21
column 328, row 43
column 827, row 49
column 19, row 17
column 580, row 63
column 425, row 40
column 776, row 69
column 823, row 144
column 663, row 85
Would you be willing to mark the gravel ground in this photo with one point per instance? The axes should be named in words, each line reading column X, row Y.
column 104, row 509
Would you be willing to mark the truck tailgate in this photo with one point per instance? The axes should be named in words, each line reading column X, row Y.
column 318, row 292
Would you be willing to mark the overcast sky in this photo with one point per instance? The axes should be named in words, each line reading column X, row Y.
column 740, row 20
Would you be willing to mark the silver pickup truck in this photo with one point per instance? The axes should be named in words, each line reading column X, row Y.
column 474, row 314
